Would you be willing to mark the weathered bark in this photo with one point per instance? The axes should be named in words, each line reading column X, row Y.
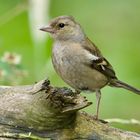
column 40, row 111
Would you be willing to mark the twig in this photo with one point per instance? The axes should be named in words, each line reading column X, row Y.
column 123, row 121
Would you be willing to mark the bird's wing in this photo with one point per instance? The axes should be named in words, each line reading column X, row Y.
column 99, row 62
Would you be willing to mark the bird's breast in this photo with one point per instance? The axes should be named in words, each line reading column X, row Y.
column 69, row 62
column 62, row 58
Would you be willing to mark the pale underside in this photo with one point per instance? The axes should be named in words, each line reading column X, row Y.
column 73, row 65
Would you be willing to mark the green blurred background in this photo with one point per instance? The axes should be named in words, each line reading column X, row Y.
column 114, row 26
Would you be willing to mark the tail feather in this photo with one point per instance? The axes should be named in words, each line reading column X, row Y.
column 120, row 84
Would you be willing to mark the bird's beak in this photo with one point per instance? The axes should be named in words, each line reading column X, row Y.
column 47, row 29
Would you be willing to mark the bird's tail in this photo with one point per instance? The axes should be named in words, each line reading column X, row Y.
column 120, row 84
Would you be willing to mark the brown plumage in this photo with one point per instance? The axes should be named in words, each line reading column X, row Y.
column 78, row 61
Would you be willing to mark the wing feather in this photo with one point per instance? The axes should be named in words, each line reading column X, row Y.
column 100, row 64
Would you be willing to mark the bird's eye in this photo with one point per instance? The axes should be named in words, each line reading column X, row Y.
column 61, row 25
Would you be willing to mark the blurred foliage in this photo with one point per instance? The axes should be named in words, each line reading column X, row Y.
column 114, row 26
column 11, row 70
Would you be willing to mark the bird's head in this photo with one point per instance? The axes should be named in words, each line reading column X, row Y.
column 64, row 28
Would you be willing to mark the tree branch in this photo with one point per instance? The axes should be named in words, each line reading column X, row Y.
column 41, row 111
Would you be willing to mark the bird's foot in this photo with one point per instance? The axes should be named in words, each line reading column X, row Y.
column 102, row 121
column 96, row 117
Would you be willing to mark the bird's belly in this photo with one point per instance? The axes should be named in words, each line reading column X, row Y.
column 78, row 75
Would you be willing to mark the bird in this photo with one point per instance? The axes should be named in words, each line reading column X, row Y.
column 78, row 61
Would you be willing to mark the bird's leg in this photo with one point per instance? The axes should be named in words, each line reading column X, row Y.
column 98, row 98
